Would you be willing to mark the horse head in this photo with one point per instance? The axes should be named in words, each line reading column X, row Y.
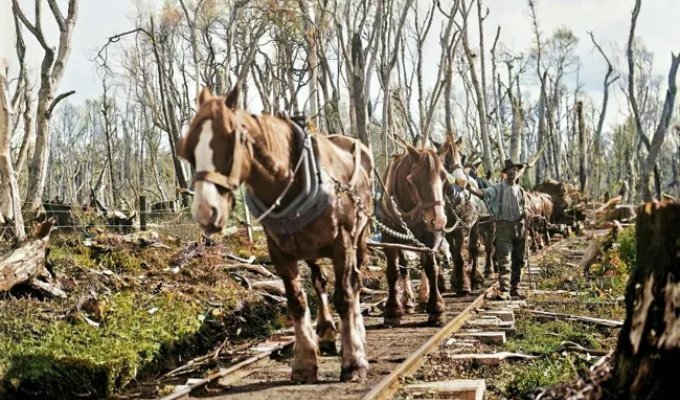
column 219, row 147
column 425, row 186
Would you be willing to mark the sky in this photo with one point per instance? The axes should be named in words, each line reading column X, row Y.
column 608, row 19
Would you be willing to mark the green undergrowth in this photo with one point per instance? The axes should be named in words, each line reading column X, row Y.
column 541, row 337
column 132, row 311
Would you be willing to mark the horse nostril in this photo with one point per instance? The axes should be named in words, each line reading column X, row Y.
column 213, row 213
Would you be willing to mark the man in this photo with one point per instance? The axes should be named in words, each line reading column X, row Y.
column 506, row 200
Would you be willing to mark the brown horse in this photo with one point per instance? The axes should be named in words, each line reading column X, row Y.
column 469, row 217
column 413, row 196
column 539, row 209
column 316, row 194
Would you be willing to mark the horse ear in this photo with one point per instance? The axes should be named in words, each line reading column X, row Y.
column 204, row 96
column 232, row 98
column 461, row 143
column 412, row 151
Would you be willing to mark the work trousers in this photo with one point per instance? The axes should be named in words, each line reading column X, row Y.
column 510, row 253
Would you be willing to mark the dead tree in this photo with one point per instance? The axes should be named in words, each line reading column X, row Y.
column 648, row 350
column 9, row 191
column 26, row 265
column 51, row 72
column 582, row 177
column 597, row 139
column 654, row 147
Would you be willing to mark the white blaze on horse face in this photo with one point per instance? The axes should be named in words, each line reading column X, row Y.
column 439, row 221
column 206, row 205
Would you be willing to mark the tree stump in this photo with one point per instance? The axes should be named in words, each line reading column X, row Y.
column 648, row 350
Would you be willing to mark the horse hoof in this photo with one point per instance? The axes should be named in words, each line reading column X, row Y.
column 435, row 320
column 328, row 348
column 304, row 375
column 392, row 321
column 353, row 374
column 462, row 293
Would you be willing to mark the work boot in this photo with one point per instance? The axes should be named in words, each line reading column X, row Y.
column 516, row 293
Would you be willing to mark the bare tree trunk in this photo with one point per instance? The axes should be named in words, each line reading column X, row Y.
column 597, row 140
column 581, row 147
column 660, row 135
column 9, row 194
column 359, row 96
column 648, row 349
column 487, row 159
column 311, row 36
column 51, row 72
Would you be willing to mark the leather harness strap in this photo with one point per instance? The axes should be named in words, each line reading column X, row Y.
column 228, row 183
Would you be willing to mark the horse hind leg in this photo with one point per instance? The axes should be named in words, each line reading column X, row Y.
column 354, row 365
column 305, row 360
column 325, row 326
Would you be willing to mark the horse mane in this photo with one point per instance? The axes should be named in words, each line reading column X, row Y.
column 265, row 131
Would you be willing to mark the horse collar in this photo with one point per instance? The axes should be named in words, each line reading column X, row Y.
column 314, row 198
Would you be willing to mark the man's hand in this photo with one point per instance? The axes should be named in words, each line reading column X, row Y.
column 474, row 191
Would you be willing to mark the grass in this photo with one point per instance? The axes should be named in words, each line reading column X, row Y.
column 137, row 321
column 542, row 337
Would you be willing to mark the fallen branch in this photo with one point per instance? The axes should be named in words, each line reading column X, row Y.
column 256, row 268
column 597, row 321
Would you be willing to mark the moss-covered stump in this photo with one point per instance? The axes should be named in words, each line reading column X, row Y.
column 136, row 307
column 648, row 351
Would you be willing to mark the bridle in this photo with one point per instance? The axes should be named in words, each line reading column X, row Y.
column 243, row 143
column 420, row 206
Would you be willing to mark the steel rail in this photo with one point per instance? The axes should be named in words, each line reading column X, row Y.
column 390, row 384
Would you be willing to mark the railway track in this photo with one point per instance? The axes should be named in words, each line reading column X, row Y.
column 394, row 353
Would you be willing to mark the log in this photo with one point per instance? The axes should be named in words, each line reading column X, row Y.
column 26, row 263
column 648, row 350
column 597, row 248
column 597, row 321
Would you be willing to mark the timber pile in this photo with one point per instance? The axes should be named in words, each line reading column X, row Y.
column 25, row 265
column 612, row 210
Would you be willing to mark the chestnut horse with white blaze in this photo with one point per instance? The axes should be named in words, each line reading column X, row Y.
column 313, row 195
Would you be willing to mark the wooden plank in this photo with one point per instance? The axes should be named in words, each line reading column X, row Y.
column 493, row 337
column 460, row 389
column 503, row 315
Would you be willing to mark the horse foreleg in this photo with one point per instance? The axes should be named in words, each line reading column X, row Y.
column 408, row 298
column 435, row 303
column 305, row 363
column 325, row 326
column 393, row 307
column 347, row 286
column 476, row 278
column 460, row 282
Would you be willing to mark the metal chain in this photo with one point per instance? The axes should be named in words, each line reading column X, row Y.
column 408, row 235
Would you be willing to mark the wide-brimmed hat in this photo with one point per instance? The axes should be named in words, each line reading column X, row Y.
column 509, row 164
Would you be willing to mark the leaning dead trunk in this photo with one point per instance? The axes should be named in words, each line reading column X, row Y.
column 648, row 351
column 26, row 265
